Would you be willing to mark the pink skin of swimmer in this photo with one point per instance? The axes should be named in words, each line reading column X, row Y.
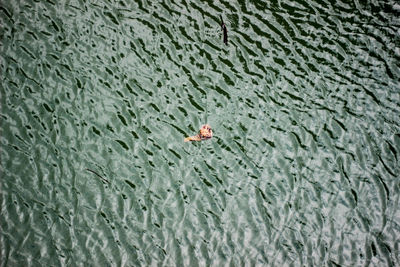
column 204, row 134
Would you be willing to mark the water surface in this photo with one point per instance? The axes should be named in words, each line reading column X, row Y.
column 97, row 97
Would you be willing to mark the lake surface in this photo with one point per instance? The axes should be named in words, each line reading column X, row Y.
column 304, row 102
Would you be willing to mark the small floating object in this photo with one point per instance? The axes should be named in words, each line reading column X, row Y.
column 204, row 134
column 225, row 30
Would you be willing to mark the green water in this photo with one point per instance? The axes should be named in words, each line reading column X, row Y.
column 97, row 97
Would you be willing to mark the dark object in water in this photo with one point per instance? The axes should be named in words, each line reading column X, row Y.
column 225, row 30
column 98, row 175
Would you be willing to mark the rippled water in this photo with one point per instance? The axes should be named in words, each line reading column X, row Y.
column 303, row 168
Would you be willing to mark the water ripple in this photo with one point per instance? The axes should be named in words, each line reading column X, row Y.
column 96, row 99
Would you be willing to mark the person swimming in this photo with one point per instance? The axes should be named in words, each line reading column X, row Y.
column 204, row 134
column 225, row 30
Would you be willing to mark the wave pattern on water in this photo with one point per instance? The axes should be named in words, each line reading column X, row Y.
column 97, row 97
